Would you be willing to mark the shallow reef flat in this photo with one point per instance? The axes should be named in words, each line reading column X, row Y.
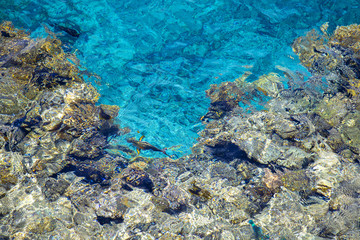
column 286, row 167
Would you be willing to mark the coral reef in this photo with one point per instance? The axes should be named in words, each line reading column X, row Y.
column 284, row 169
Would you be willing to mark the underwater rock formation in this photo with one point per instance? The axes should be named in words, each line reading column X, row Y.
column 304, row 138
column 53, row 114
column 335, row 57
column 289, row 165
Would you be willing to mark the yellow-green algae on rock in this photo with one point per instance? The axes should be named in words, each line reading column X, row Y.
column 47, row 108
column 306, row 136
column 48, row 120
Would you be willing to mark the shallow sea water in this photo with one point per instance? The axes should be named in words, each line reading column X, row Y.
column 156, row 58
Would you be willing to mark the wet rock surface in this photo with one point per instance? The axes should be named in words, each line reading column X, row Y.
column 291, row 167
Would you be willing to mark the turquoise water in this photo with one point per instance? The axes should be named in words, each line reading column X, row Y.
column 156, row 58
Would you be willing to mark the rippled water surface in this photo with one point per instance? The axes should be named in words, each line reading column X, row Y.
column 156, row 58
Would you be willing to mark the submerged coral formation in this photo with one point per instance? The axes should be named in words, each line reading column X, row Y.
column 290, row 166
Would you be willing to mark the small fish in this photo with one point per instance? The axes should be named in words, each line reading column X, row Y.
column 121, row 148
column 196, row 190
column 139, row 144
column 71, row 31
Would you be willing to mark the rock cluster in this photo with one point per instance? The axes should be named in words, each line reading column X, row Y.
column 290, row 164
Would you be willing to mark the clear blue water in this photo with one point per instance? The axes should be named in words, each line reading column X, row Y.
column 157, row 57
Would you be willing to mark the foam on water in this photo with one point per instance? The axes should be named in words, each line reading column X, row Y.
column 156, row 58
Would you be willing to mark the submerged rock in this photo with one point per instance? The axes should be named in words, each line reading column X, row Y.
column 327, row 170
column 224, row 98
column 137, row 178
column 11, row 170
column 54, row 113
column 54, row 188
column 285, row 217
column 292, row 168
column 304, row 138
column 297, row 181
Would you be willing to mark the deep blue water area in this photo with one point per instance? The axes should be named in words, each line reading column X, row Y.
column 157, row 57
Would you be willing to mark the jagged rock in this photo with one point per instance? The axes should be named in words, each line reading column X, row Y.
column 137, row 178
column 297, row 181
column 286, row 216
column 176, row 197
column 11, row 170
column 326, row 169
column 54, row 188
column 88, row 145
